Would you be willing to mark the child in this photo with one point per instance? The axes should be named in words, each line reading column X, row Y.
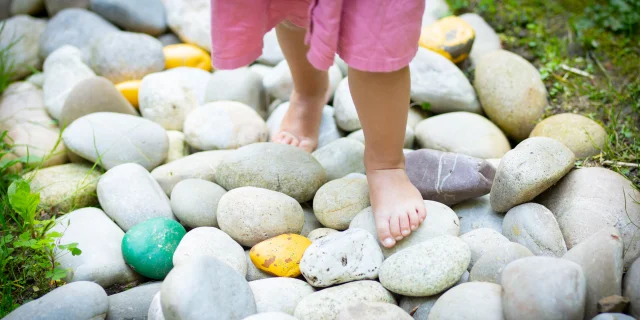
column 377, row 39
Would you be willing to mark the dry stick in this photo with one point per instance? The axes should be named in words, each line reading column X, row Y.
column 621, row 164
column 576, row 71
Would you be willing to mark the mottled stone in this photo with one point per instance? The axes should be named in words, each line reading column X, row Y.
column 583, row 136
column 65, row 187
column 279, row 294
column 337, row 202
column 477, row 213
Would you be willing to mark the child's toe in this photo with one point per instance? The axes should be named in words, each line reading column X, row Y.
column 384, row 233
column 414, row 219
column 394, row 226
column 405, row 227
column 422, row 212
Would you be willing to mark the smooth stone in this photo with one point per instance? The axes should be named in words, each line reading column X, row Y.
column 75, row 27
column 206, row 287
column 342, row 257
column 55, row 6
column 373, row 310
column 200, row 165
column 124, row 56
column 271, row 316
column 344, row 68
column 271, row 51
column 37, row 79
column 155, row 308
column 486, row 38
column 543, row 288
column 477, row 213
column 327, row 303
column 440, row 83
column 600, row 257
column 426, row 268
column 613, row 316
column 409, row 137
column 95, row 94
column 440, row 220
column 490, row 265
column 441, row 34
column 279, row 294
column 62, row 303
column 30, row 7
column 329, row 131
column 482, row 240
column 169, row 39
column 416, row 115
column 253, row 273
column 133, row 303
column 195, row 202
column 65, row 187
column 210, row 241
column 631, row 288
column 63, row 70
column 436, row 8
column 583, row 136
column 320, row 233
column 421, row 306
column 224, row 125
column 503, row 93
column 99, row 238
column 346, row 113
column 272, row 166
column 241, row 85
column 168, row 97
column 146, row 16
column 337, row 202
column 535, row 227
column 279, row 83
column 310, row 220
column 590, row 199
column 186, row 55
column 530, row 168
column 341, row 157
column 23, row 33
column 250, row 215
column 190, row 20
column 463, row 132
column 261, row 70
column 130, row 91
column 472, row 300
column 129, row 195
column 112, row 139
column 177, row 146
column 449, row 178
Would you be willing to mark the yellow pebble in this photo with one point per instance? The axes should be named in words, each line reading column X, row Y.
column 129, row 90
column 451, row 37
column 280, row 256
column 186, row 55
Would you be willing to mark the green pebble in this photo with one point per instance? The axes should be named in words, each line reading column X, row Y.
column 148, row 247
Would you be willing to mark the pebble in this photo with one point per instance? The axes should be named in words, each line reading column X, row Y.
column 124, row 56
column 212, row 242
column 155, row 308
column 62, row 303
column 337, row 202
column 271, row 316
column 450, row 37
column 477, row 213
column 440, row 220
column 253, row 273
column 272, row 166
column 416, row 114
column 341, row 157
column 613, row 316
column 241, row 85
column 94, row 94
column 631, row 288
column 346, row 113
column 409, row 137
column 37, row 79
column 503, row 92
column 310, row 221
column 426, row 268
column 583, row 136
column 279, row 294
column 280, row 255
column 447, row 177
column 600, row 257
column 320, row 233
column 471, row 300
column 195, row 202
column 200, row 165
column 133, row 303
column 224, row 125
column 129, row 195
column 421, row 306
column 271, row 51
column 373, row 310
column 169, row 39
column 130, row 90
column 462, row 132
column 99, row 238
column 63, row 70
column 279, row 83
column 186, row 55
column 486, row 38
column 530, row 168
column 75, row 27
column 146, row 16
column 206, row 288
column 24, row 33
column 482, row 240
column 440, row 83
column 55, row 6
column 490, row 265
column 65, row 187
column 590, row 199
column 329, row 131
column 250, row 215
column 327, row 303
column 342, row 257
column 261, row 70
column 344, row 68
column 177, row 146
column 535, row 227
column 190, row 20
column 30, row 7
column 543, row 288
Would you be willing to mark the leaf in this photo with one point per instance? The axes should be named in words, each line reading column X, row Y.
column 426, row 106
column 23, row 201
column 57, row 274
column 75, row 251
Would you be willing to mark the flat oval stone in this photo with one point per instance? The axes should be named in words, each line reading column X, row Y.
column 148, row 247
column 482, row 240
column 195, row 202
column 582, row 135
column 209, row 241
column 426, row 268
column 129, row 90
column 477, row 213
column 373, row 310
column 279, row 294
column 280, row 255
column 341, row 157
column 65, row 187
column 346, row 114
column 200, row 165
column 242, row 85
column 337, row 202
column 133, row 303
column 490, row 265
column 535, row 227
column 471, row 300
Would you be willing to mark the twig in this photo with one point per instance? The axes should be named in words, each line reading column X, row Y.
column 621, row 164
column 576, row 71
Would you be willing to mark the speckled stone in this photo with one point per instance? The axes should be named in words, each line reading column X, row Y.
column 279, row 294
column 482, row 240
column 535, row 227
column 582, row 135
column 477, row 213
column 490, row 265
column 421, row 306
column 133, row 303
column 320, row 233
column 471, row 300
column 65, row 187
column 337, row 202
column 200, row 165
column 341, row 157
column 253, row 273
column 373, row 310
column 195, row 202
column 427, row 268
column 210, row 241
column 631, row 288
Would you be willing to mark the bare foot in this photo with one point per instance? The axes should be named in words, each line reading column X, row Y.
column 397, row 205
column 301, row 124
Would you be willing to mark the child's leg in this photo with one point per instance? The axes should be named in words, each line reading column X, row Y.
column 382, row 101
column 302, row 121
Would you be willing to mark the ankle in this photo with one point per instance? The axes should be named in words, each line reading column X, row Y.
column 384, row 161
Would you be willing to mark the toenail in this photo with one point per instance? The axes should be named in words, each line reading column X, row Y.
column 388, row 242
column 405, row 232
column 399, row 238
column 414, row 227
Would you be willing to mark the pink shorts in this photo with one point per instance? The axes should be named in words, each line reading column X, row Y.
column 369, row 35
